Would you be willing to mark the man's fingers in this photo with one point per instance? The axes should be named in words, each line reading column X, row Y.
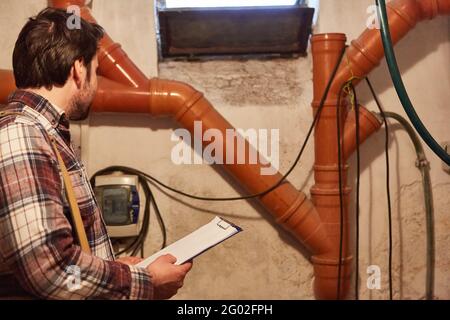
column 168, row 258
column 185, row 267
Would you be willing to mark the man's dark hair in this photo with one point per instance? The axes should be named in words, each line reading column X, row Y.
column 47, row 49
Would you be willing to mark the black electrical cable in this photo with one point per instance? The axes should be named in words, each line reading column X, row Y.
column 138, row 242
column 259, row 194
column 388, row 191
column 341, row 197
column 358, row 177
column 140, row 239
column 160, row 220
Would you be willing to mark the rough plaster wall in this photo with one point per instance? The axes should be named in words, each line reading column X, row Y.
column 263, row 262
column 13, row 16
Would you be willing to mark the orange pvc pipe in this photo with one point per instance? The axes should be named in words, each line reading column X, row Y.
column 63, row 4
column 7, row 84
column 326, row 49
column 368, row 125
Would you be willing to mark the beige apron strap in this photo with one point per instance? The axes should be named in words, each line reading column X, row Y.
column 74, row 209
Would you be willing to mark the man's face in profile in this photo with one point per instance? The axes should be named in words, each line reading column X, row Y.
column 82, row 100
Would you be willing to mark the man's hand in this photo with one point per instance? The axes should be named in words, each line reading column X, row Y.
column 129, row 260
column 167, row 278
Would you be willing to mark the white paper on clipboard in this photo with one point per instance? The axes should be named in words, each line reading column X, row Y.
column 197, row 242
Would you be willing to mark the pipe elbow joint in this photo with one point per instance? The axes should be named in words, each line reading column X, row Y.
column 168, row 97
column 369, row 123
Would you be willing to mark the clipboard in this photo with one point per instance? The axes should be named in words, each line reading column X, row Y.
column 197, row 242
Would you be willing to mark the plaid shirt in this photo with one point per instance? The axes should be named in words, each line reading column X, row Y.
column 38, row 253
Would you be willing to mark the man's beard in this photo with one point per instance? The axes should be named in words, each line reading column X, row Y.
column 80, row 103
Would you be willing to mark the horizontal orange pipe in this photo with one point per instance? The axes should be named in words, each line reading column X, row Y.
column 7, row 85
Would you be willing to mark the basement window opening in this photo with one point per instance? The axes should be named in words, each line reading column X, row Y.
column 199, row 29
column 228, row 3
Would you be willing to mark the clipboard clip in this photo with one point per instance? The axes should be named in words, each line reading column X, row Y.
column 223, row 224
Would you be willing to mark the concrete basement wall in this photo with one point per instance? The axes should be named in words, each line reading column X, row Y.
column 264, row 262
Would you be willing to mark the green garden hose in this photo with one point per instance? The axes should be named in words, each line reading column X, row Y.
column 400, row 87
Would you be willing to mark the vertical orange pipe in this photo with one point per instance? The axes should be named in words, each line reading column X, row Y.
column 326, row 49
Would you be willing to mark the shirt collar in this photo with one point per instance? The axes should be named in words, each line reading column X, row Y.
column 58, row 109
column 54, row 114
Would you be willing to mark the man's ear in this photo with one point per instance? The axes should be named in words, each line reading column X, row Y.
column 78, row 73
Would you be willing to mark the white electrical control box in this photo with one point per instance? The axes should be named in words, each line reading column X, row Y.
column 118, row 197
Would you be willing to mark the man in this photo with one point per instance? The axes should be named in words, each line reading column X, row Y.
column 55, row 73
